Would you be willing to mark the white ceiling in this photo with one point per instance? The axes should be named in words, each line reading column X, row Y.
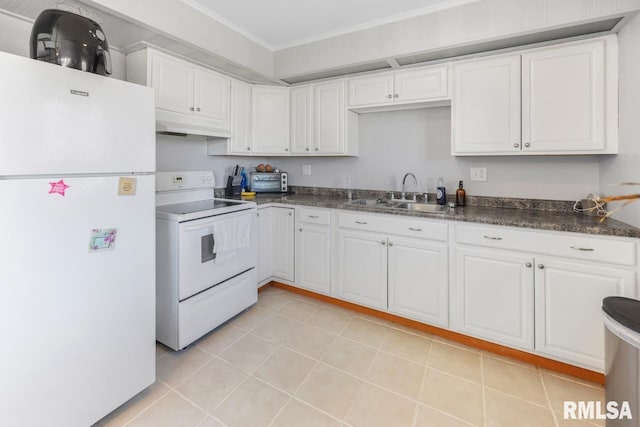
column 278, row 24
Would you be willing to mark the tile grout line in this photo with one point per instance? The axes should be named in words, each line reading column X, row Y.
column 194, row 404
column 146, row 408
column 485, row 418
column 556, row 422
column 416, row 410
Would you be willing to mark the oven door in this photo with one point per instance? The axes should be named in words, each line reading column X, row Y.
column 199, row 268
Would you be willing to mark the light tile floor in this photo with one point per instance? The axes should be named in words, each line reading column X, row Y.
column 294, row 361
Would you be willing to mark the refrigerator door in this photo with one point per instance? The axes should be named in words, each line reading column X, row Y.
column 77, row 325
column 57, row 120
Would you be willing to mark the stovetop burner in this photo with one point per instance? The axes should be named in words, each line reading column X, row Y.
column 197, row 206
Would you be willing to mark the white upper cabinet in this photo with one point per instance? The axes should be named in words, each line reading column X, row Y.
column 240, row 141
column 485, row 109
column 321, row 124
column 270, row 120
column 564, row 99
column 399, row 87
column 567, row 103
column 377, row 89
column 187, row 96
column 302, row 120
column 173, row 83
column 212, row 97
column 329, row 117
column 421, row 84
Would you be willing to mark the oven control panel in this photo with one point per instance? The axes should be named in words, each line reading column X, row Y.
column 167, row 181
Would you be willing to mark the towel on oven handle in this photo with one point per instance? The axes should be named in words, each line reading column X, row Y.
column 232, row 234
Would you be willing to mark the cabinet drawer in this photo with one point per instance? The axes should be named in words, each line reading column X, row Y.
column 419, row 228
column 314, row 216
column 564, row 245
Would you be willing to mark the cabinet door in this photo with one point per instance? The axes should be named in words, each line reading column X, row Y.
column 329, row 114
column 240, row 141
column 283, row 243
column 569, row 297
column 563, row 98
column 270, row 120
column 492, row 296
column 302, row 120
column 371, row 90
column 265, row 243
column 362, row 268
column 419, row 280
column 486, row 106
column 421, row 84
column 173, row 84
column 313, row 255
column 212, row 97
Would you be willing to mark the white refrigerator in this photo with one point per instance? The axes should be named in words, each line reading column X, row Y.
column 77, row 243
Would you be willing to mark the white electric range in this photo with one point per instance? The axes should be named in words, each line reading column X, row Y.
column 206, row 257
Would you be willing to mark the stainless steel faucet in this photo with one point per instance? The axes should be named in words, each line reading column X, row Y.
column 404, row 181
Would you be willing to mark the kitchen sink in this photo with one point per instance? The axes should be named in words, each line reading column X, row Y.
column 381, row 203
column 421, row 207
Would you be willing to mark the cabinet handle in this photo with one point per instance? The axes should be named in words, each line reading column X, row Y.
column 190, row 108
column 492, row 238
column 286, row 149
column 361, row 222
column 307, row 148
column 316, row 148
column 248, row 148
column 528, row 265
column 313, row 216
column 390, row 243
column 198, row 109
column 516, row 145
column 389, row 96
column 540, row 266
column 396, row 95
column 301, row 230
column 383, row 242
column 415, row 229
column 290, row 214
column 527, row 145
column 576, row 248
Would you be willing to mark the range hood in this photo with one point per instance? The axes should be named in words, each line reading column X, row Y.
column 173, row 128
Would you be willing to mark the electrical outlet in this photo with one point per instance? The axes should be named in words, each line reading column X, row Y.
column 478, row 174
column 306, row 169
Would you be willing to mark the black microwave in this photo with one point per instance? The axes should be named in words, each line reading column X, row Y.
column 269, row 182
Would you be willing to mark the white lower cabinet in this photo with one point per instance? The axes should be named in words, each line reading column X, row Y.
column 283, row 243
column 265, row 243
column 418, row 280
column 362, row 268
column 313, row 250
column 493, row 297
column 379, row 265
column 568, row 315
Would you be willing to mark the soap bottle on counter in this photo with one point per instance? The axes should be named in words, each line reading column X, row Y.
column 441, row 192
column 460, row 195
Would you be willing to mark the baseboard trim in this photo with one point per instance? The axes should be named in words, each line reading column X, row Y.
column 533, row 359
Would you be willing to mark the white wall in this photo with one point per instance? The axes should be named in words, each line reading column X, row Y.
column 393, row 143
column 625, row 166
column 418, row 141
column 473, row 22
column 15, row 33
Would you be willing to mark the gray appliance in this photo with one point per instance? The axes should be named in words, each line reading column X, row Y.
column 622, row 356
column 70, row 40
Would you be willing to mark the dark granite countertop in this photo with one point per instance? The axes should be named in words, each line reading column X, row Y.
column 525, row 218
